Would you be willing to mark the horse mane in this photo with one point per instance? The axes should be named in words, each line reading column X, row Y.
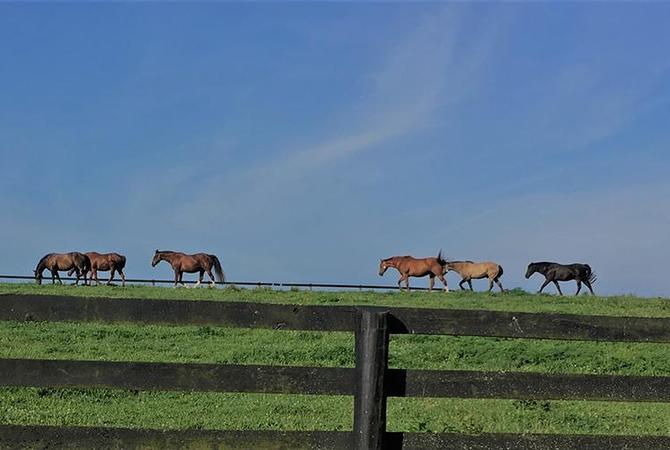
column 42, row 262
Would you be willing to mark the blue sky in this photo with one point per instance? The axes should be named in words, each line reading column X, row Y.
column 303, row 142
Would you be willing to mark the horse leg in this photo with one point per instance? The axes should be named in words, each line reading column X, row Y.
column 497, row 280
column 579, row 287
column 111, row 276
column 588, row 285
column 544, row 285
column 54, row 276
column 211, row 277
column 490, row 284
column 76, row 281
column 200, row 275
column 558, row 287
column 470, row 284
column 431, row 282
column 444, row 281
column 181, row 278
column 407, row 282
column 123, row 278
column 176, row 277
column 460, row 284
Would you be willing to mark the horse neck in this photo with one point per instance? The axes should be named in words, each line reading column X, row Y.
column 392, row 262
column 540, row 267
column 166, row 256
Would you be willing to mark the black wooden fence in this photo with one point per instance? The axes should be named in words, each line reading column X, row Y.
column 371, row 382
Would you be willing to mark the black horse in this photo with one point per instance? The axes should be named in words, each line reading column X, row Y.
column 554, row 272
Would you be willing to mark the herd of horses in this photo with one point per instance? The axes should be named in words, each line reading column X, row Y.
column 433, row 267
column 81, row 264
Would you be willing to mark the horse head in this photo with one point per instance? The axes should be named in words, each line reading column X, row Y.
column 383, row 265
column 156, row 259
column 532, row 268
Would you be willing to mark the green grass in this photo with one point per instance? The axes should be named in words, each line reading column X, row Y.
column 181, row 410
column 94, row 341
column 170, row 410
column 516, row 300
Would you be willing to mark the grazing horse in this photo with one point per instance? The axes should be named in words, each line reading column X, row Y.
column 469, row 271
column 554, row 272
column 409, row 266
column 198, row 262
column 104, row 262
column 76, row 262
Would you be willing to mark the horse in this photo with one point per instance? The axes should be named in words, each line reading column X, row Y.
column 54, row 262
column 198, row 262
column 104, row 262
column 554, row 272
column 409, row 266
column 469, row 271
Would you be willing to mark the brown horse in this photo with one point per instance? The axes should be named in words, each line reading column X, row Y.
column 54, row 262
column 469, row 271
column 104, row 262
column 409, row 266
column 198, row 262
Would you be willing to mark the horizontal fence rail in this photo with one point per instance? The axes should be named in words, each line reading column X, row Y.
column 18, row 436
column 329, row 381
column 266, row 284
column 335, row 318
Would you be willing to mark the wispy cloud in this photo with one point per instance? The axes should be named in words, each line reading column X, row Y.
column 431, row 68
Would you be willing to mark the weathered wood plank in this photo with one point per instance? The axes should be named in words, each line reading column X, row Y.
column 335, row 318
column 529, row 325
column 176, row 377
column 330, row 381
column 525, row 385
column 445, row 441
column 176, row 312
column 42, row 437
column 47, row 437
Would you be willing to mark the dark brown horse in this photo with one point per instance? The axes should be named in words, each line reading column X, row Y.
column 409, row 266
column 554, row 272
column 54, row 262
column 198, row 262
column 104, row 262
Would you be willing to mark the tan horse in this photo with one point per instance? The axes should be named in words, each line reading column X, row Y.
column 409, row 266
column 198, row 262
column 76, row 262
column 104, row 262
column 469, row 271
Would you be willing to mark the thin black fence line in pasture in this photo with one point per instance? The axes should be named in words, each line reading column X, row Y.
column 370, row 381
column 268, row 284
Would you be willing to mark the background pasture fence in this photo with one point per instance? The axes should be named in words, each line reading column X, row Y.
column 371, row 382
column 255, row 284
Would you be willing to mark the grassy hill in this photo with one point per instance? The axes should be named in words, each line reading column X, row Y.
column 106, row 407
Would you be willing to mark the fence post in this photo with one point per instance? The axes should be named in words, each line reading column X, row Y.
column 372, row 339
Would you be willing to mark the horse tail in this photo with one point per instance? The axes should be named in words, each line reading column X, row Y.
column 441, row 261
column 500, row 271
column 592, row 277
column 220, row 276
column 85, row 263
column 122, row 262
